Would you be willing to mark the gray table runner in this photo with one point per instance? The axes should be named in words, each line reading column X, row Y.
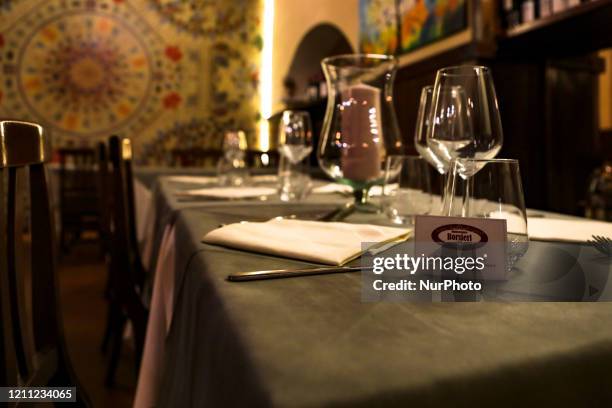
column 311, row 342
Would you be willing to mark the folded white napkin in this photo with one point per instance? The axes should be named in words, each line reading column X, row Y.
column 264, row 178
column 192, row 179
column 555, row 229
column 256, row 191
column 231, row 192
column 332, row 243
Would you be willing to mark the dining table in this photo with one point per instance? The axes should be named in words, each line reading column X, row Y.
column 313, row 342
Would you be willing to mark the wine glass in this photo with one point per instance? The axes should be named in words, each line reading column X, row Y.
column 234, row 144
column 231, row 167
column 294, row 145
column 360, row 128
column 420, row 132
column 495, row 192
column 465, row 122
column 450, row 133
column 453, row 117
column 295, row 136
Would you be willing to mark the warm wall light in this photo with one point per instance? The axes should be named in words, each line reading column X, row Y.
column 265, row 75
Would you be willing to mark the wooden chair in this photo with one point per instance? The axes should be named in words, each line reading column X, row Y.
column 104, row 197
column 78, row 194
column 126, row 271
column 106, row 202
column 32, row 346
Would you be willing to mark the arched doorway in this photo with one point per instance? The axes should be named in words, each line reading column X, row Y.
column 321, row 41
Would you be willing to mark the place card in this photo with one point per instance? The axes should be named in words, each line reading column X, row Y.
column 479, row 243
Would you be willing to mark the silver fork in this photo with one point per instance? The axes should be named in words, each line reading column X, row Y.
column 602, row 244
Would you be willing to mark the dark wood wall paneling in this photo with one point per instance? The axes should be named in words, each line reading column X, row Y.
column 546, row 77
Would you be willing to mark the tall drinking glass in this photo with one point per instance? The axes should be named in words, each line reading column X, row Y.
column 231, row 167
column 408, row 192
column 360, row 128
column 294, row 145
column 496, row 192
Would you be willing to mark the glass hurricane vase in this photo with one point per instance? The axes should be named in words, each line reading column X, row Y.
column 360, row 128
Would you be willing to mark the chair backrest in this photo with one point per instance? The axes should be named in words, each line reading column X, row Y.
column 77, row 171
column 124, row 209
column 127, row 273
column 104, row 188
column 32, row 345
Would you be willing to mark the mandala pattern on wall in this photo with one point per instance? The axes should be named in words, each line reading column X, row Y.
column 87, row 68
column 200, row 133
column 209, row 18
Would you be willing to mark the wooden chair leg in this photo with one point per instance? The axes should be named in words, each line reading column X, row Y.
column 64, row 377
column 117, row 337
column 64, row 239
column 112, row 318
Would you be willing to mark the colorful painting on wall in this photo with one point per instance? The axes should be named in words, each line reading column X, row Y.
column 400, row 26
column 146, row 69
column 425, row 21
column 378, row 26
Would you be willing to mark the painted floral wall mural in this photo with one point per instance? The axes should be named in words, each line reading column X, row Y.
column 164, row 72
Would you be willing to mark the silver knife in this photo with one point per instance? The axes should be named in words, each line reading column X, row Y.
column 290, row 273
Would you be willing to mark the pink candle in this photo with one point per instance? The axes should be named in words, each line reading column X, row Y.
column 361, row 133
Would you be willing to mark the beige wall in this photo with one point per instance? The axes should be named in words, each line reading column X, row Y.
column 293, row 19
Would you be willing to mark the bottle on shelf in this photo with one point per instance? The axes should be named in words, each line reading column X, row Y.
column 528, row 11
column 312, row 91
column 511, row 13
column 559, row 6
column 545, row 8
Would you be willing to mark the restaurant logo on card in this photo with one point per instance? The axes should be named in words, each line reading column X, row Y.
column 459, row 234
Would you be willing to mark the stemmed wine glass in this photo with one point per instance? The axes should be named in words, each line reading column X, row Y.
column 420, row 132
column 449, row 135
column 360, row 128
column 294, row 145
column 453, row 118
column 295, row 136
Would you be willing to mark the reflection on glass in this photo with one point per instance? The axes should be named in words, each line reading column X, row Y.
column 450, row 130
column 421, row 130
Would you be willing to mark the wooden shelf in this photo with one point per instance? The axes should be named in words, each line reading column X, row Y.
column 572, row 12
column 579, row 30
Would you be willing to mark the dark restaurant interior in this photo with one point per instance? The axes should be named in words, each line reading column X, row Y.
column 194, row 196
